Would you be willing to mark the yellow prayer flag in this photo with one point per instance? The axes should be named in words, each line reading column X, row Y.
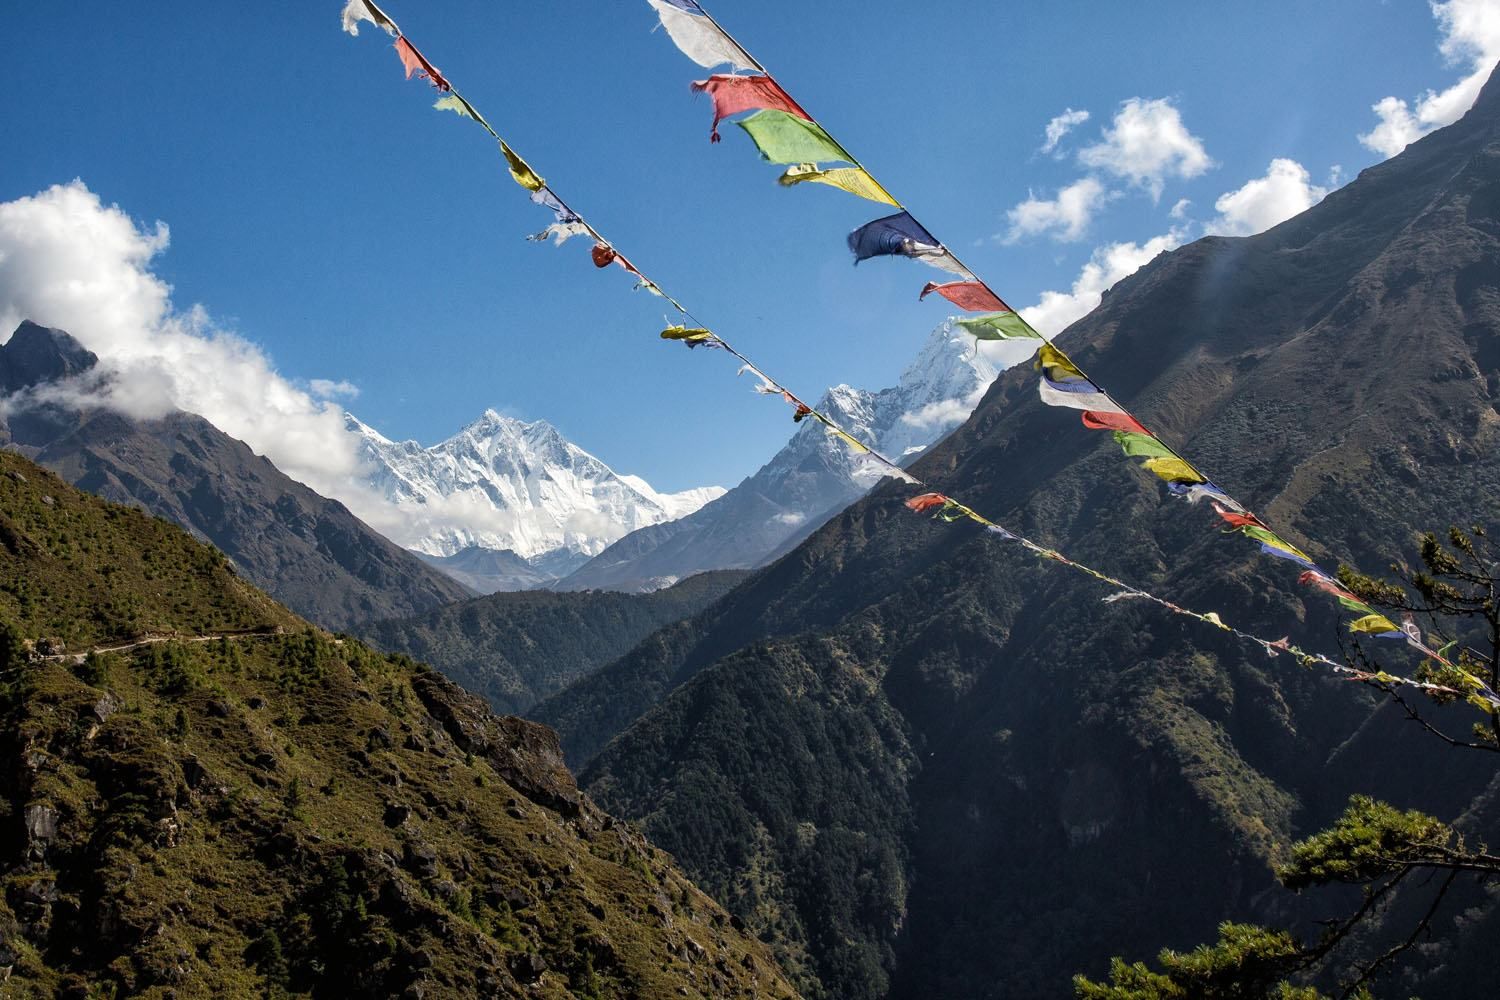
column 524, row 175
column 1373, row 625
column 1175, row 470
column 855, row 180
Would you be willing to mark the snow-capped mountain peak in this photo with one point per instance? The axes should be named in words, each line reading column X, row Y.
column 504, row 483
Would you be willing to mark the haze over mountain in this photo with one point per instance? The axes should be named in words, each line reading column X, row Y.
column 925, row 764
column 307, row 550
column 507, row 485
column 810, row 479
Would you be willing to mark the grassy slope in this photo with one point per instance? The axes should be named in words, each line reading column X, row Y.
column 293, row 813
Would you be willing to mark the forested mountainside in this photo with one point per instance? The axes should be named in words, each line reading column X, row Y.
column 306, row 550
column 206, row 796
column 924, row 764
column 516, row 649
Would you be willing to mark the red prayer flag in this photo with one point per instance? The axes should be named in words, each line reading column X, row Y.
column 604, row 255
column 1098, row 421
column 733, row 94
column 417, row 63
column 1238, row 520
column 926, row 502
column 972, row 296
column 803, row 412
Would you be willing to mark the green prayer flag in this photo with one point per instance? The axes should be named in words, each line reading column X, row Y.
column 997, row 326
column 1142, row 445
column 785, row 138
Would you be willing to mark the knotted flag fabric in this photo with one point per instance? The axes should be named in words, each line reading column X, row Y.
column 997, row 326
column 603, row 254
column 702, row 41
column 970, row 296
column 417, row 63
column 900, row 235
column 733, row 95
column 363, row 10
column 786, row 138
column 855, row 180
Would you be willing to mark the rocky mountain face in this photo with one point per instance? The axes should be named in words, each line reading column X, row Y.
column 924, row 763
column 306, row 549
column 228, row 802
column 506, row 485
column 809, row 480
column 515, row 649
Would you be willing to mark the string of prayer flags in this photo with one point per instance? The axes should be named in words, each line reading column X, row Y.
column 699, row 38
column 855, row 180
column 970, row 296
column 691, row 336
column 785, row 133
column 788, row 138
column 734, row 95
column 363, row 10
column 922, row 247
column 997, row 326
column 417, row 63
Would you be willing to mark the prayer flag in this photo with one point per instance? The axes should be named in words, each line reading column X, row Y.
column 560, row 232
column 972, row 296
column 786, row 138
column 698, row 37
column 1113, row 422
column 1077, row 396
column 735, row 94
column 1142, row 445
column 852, row 179
column 417, row 63
column 1174, row 470
column 997, row 326
column 925, row 502
column 691, row 336
column 1058, row 367
column 523, row 174
column 896, row 235
column 1376, row 624
column 362, row 10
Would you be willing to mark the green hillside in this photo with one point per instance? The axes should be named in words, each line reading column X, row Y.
column 244, row 812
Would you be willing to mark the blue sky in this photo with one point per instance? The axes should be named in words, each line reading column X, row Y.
column 319, row 208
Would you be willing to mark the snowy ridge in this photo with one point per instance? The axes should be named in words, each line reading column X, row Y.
column 507, row 484
column 813, row 476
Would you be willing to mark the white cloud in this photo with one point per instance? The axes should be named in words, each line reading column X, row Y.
column 791, row 518
column 71, row 262
column 1146, row 144
column 1180, row 210
column 1286, row 190
column 1060, row 126
column 944, row 413
column 1470, row 32
column 1109, row 264
column 329, row 389
column 1066, row 217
